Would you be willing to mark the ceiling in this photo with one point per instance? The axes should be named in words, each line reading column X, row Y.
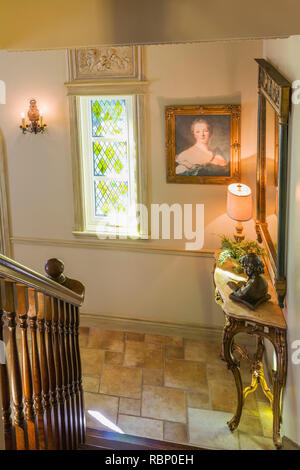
column 31, row 25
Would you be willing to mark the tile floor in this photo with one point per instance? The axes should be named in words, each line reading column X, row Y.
column 168, row 388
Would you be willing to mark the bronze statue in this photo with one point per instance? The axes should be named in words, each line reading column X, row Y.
column 254, row 291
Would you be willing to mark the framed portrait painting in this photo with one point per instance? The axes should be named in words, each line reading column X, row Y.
column 203, row 144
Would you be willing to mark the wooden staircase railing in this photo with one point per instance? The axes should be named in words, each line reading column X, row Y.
column 41, row 383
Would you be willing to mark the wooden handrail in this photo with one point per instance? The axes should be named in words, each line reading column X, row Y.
column 41, row 385
column 61, row 287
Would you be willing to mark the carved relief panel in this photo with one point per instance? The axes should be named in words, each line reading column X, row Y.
column 105, row 62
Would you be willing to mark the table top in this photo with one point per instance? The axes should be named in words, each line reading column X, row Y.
column 268, row 313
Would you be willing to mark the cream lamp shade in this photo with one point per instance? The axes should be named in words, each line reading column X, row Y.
column 239, row 202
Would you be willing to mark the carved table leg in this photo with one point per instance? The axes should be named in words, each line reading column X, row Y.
column 279, row 383
column 229, row 332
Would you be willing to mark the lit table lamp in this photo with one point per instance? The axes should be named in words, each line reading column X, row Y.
column 239, row 207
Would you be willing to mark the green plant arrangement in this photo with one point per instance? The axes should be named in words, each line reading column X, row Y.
column 233, row 251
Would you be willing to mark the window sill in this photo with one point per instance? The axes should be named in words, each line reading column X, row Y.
column 124, row 238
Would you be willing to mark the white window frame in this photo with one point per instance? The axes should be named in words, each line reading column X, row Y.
column 137, row 90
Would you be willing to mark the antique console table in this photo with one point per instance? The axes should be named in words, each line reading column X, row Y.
column 267, row 321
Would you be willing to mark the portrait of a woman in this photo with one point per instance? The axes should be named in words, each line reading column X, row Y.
column 203, row 143
column 202, row 158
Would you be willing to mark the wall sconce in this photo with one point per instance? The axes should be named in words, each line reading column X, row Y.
column 239, row 207
column 36, row 119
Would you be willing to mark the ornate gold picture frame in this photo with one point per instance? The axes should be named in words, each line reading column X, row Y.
column 274, row 90
column 203, row 144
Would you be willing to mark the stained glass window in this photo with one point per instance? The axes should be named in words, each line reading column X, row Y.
column 109, row 117
column 109, row 157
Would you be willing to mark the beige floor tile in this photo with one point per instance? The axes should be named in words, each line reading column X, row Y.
column 90, row 384
column 121, row 381
column 104, row 339
column 223, row 397
column 251, row 425
column 260, row 396
column 174, row 352
column 185, row 375
column 146, row 355
column 130, row 406
column 208, row 429
column 175, row 432
column 219, row 371
column 115, row 358
column 202, row 350
column 91, row 361
column 198, row 400
column 174, row 340
column 83, row 336
column 107, row 407
column 163, row 403
column 153, row 377
column 135, row 337
column 250, row 442
column 142, row 427
column 266, row 418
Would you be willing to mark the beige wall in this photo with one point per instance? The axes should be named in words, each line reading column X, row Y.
column 284, row 54
column 160, row 287
column 36, row 25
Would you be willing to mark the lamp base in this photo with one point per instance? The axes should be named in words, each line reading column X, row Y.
column 239, row 235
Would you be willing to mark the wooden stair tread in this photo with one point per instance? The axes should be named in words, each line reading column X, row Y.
column 97, row 440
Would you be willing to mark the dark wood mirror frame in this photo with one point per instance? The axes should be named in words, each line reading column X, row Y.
column 276, row 90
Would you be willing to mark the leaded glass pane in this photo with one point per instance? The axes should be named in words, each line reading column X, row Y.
column 110, row 158
column 109, row 117
column 110, row 195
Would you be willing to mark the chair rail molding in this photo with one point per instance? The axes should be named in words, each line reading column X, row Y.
column 94, row 243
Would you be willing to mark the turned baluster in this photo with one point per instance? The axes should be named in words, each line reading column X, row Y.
column 79, row 376
column 26, row 367
column 65, row 375
column 56, row 429
column 58, row 370
column 71, row 374
column 77, row 419
column 55, row 270
column 4, row 381
column 51, row 441
column 15, row 372
column 36, row 371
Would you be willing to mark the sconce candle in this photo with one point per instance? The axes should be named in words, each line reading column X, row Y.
column 36, row 119
column 23, row 121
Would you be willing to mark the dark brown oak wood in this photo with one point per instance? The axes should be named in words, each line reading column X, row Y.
column 36, row 371
column 65, row 375
column 4, row 381
column 71, row 376
column 22, row 309
column 55, row 271
column 51, row 438
column 58, row 370
column 15, row 372
column 80, row 388
column 77, row 417
column 49, row 389
column 10, row 269
column 56, row 429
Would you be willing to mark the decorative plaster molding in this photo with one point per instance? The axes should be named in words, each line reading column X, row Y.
column 105, row 62
column 94, row 243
